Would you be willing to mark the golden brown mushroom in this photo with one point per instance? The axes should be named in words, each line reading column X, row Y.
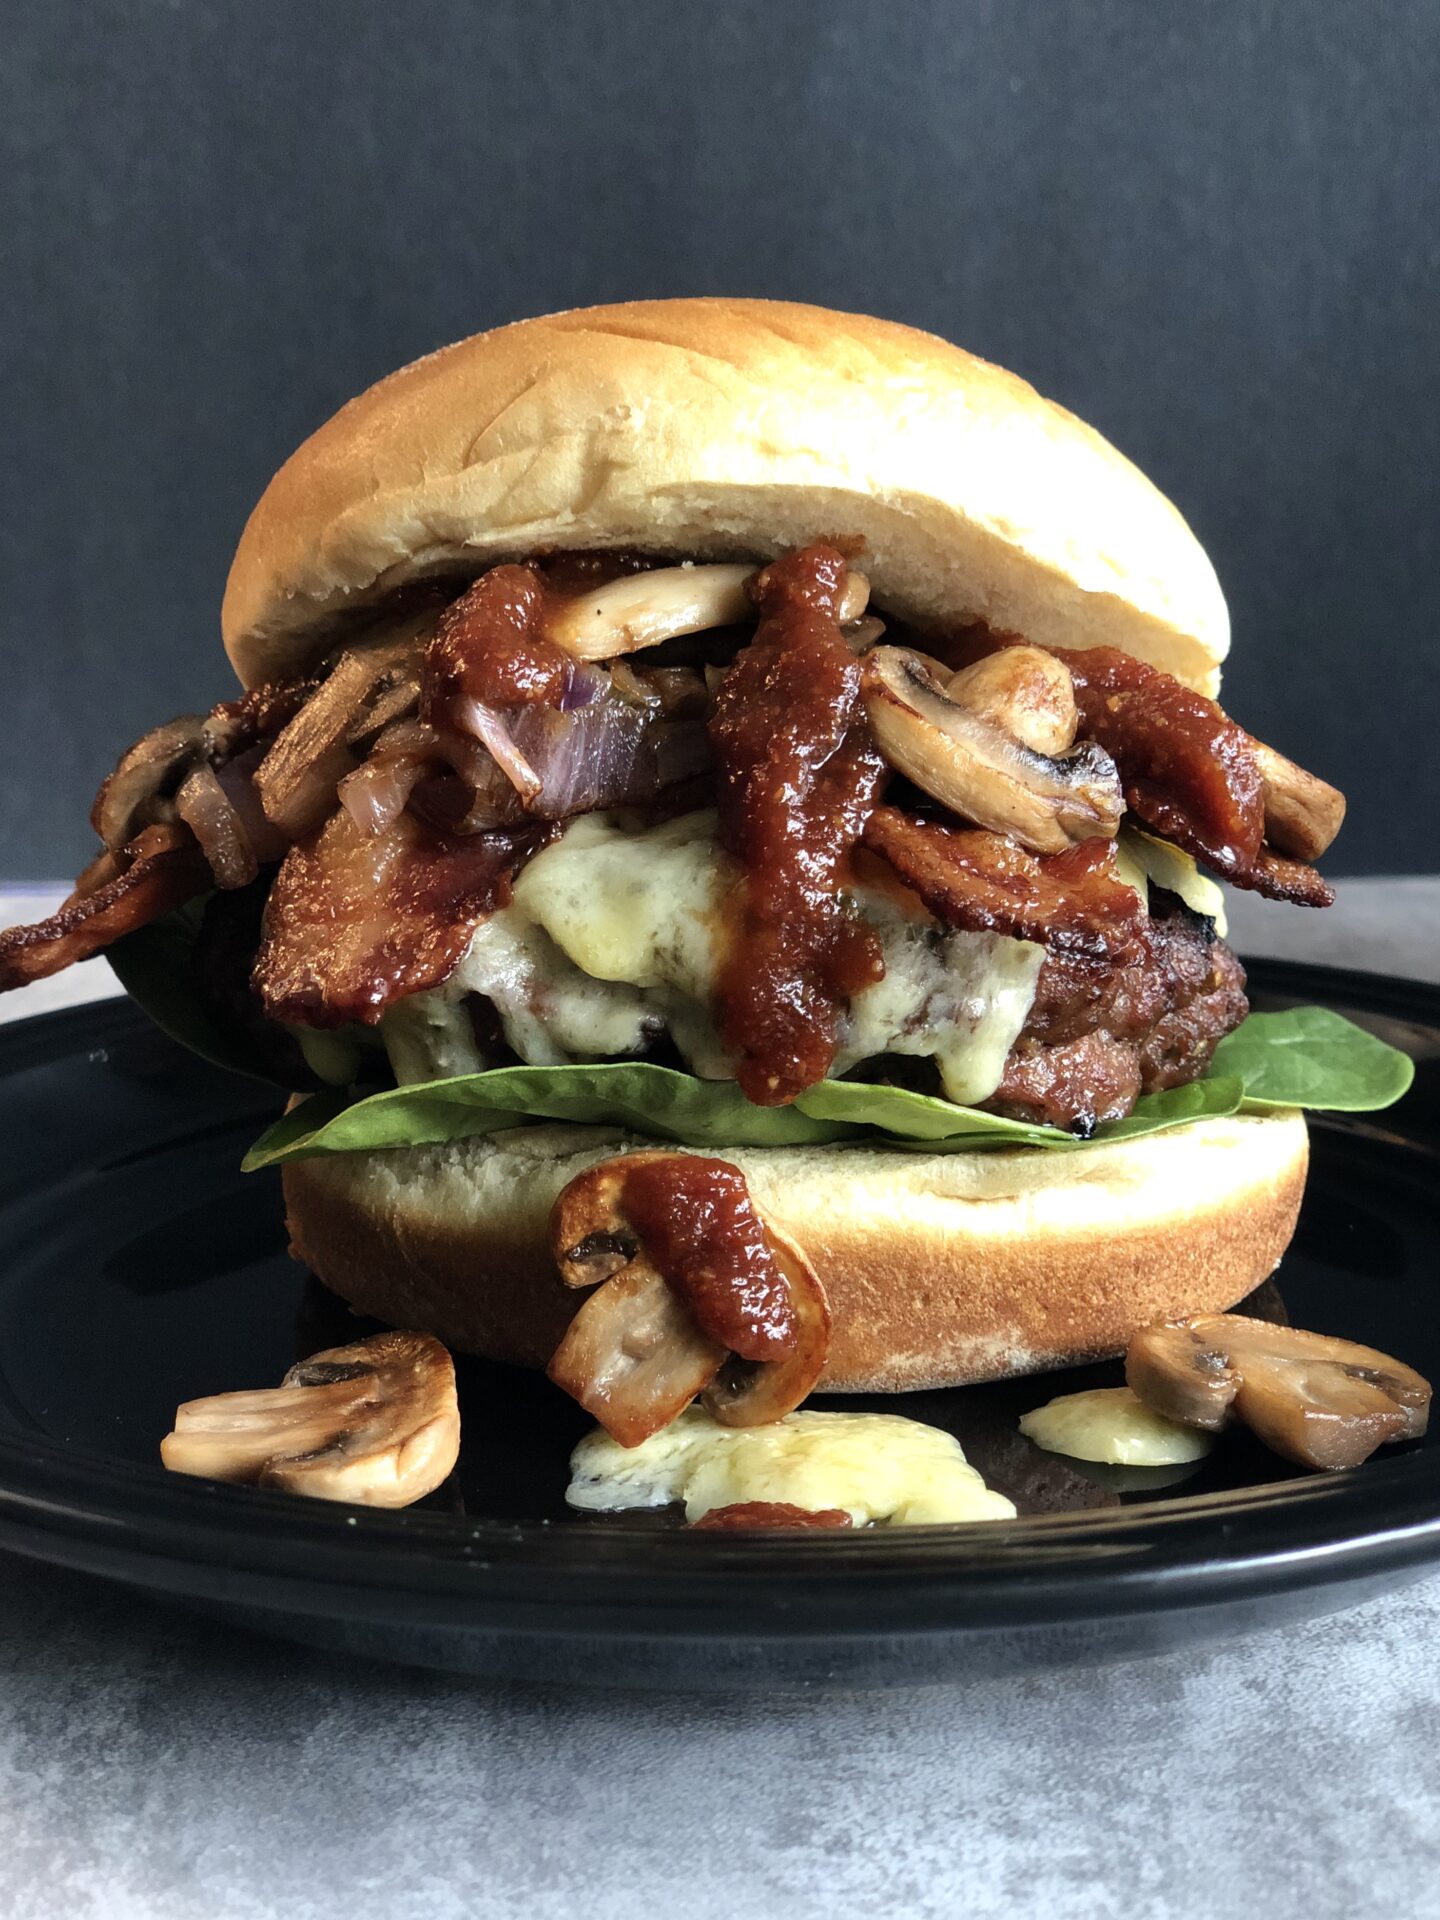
column 376, row 1423
column 1303, row 814
column 1024, row 690
column 977, row 769
column 647, row 1342
column 1318, row 1401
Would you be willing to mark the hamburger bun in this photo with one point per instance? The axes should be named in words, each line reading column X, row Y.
column 941, row 1269
column 727, row 429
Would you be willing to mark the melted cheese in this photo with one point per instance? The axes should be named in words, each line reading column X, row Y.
column 1113, row 1425
column 1143, row 860
column 880, row 1467
column 614, row 935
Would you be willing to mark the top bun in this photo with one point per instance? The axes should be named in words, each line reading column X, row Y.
column 725, row 429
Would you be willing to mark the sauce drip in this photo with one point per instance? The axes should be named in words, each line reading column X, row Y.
column 699, row 1225
column 798, row 776
column 1189, row 772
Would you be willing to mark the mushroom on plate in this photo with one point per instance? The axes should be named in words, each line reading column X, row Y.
column 635, row 1354
column 980, row 771
column 1318, row 1401
column 376, row 1423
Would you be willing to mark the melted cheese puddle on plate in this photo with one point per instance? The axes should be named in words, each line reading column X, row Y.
column 880, row 1467
column 1112, row 1425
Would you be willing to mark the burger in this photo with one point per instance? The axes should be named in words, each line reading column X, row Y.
column 735, row 777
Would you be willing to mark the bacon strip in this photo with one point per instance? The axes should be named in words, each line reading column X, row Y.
column 356, row 921
column 1072, row 903
column 798, row 776
column 160, row 870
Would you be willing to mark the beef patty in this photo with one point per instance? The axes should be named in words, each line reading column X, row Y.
column 1098, row 1036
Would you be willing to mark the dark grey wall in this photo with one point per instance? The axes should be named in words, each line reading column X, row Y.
column 1210, row 229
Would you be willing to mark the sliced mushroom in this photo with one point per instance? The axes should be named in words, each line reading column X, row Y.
column 977, row 769
column 1318, row 1401
column 376, row 1424
column 632, row 1356
column 642, row 609
column 861, row 635
column 1303, row 814
column 135, row 794
column 591, row 1238
column 1026, row 692
column 745, row 1393
column 635, row 1359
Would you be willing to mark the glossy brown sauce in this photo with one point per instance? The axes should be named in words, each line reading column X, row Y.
column 797, row 778
column 1189, row 772
column 757, row 1516
column 490, row 645
column 699, row 1225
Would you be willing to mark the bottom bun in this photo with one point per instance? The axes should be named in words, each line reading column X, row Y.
column 941, row 1269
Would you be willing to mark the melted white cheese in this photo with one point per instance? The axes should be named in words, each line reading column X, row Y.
column 1143, row 860
column 614, row 934
column 1113, row 1425
column 880, row 1467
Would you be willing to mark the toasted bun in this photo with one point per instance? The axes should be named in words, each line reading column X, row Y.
column 941, row 1269
column 727, row 429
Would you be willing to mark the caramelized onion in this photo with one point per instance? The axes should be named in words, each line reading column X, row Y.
column 299, row 775
column 203, row 804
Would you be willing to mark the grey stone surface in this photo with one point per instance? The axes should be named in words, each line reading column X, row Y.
column 159, row 1767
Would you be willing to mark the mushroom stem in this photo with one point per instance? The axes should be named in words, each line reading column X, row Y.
column 641, row 609
column 1303, row 814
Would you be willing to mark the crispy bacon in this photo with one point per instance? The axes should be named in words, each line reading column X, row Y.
column 356, row 921
column 1073, row 902
column 160, row 870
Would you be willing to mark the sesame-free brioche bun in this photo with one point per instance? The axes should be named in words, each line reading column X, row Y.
column 727, row 429
column 941, row 1269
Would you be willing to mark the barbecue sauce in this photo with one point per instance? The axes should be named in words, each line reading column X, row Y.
column 699, row 1226
column 490, row 645
column 798, row 776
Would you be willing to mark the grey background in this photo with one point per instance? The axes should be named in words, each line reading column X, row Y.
column 1211, row 230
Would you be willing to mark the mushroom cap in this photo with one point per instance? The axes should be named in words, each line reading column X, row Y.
column 727, row 430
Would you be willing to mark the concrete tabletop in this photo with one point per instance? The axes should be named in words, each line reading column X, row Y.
column 158, row 1766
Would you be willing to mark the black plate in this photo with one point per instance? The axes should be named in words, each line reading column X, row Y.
column 140, row 1269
